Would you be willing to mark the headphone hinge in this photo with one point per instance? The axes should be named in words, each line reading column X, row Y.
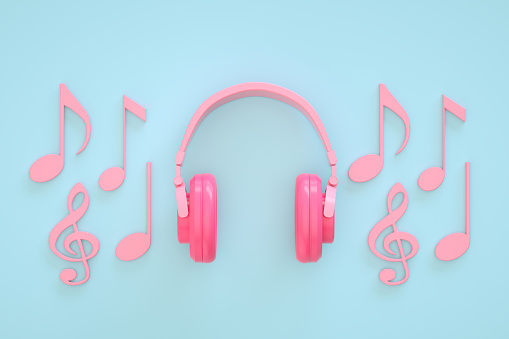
column 181, row 194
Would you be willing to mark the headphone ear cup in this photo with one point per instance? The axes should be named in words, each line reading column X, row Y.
column 195, row 217
column 203, row 218
column 315, row 217
column 308, row 218
column 209, row 217
column 302, row 248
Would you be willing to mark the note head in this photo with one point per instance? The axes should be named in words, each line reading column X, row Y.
column 133, row 246
column 46, row 168
column 452, row 246
column 431, row 178
column 112, row 178
column 366, row 168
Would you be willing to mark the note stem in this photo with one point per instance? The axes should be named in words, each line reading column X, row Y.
column 468, row 199
column 62, row 126
column 443, row 137
column 381, row 132
column 149, row 180
column 124, row 143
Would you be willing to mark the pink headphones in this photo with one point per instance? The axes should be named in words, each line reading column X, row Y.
column 197, row 210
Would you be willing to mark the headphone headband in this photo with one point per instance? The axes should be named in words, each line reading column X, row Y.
column 250, row 89
column 255, row 89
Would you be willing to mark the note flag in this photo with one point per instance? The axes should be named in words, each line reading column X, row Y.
column 69, row 274
column 49, row 166
column 455, row 245
column 368, row 166
column 388, row 275
column 137, row 244
column 113, row 177
column 433, row 177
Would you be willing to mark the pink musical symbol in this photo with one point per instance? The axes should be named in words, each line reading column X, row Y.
column 455, row 245
column 388, row 274
column 49, row 166
column 113, row 177
column 70, row 274
column 368, row 166
column 137, row 244
column 433, row 177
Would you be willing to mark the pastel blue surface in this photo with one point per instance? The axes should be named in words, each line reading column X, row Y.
column 169, row 57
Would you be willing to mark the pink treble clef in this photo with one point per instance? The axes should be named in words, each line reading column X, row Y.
column 69, row 274
column 388, row 275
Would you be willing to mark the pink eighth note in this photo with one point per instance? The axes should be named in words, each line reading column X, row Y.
column 49, row 166
column 368, row 166
column 433, row 177
column 455, row 245
column 113, row 177
column 137, row 244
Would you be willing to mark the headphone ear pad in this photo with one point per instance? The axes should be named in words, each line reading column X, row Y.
column 203, row 218
column 308, row 218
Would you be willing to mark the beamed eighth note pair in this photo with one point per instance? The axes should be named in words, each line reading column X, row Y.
column 197, row 209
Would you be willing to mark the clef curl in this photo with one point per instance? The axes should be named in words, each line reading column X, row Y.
column 69, row 274
column 388, row 275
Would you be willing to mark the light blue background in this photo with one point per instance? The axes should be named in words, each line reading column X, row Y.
column 169, row 57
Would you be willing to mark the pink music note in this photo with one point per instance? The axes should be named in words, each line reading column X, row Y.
column 368, row 166
column 49, row 166
column 69, row 274
column 113, row 177
column 455, row 245
column 433, row 177
column 388, row 275
column 137, row 244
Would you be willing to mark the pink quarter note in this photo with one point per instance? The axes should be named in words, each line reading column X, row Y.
column 69, row 274
column 137, row 244
column 368, row 166
column 433, row 177
column 455, row 245
column 388, row 275
column 49, row 166
column 113, row 177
